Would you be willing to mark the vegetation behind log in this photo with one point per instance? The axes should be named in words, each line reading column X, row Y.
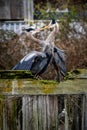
column 13, row 48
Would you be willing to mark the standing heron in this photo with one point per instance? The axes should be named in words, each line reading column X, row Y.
column 37, row 62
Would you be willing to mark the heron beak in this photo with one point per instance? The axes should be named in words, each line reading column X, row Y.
column 46, row 27
column 41, row 29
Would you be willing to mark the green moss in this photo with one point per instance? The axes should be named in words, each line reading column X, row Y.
column 48, row 82
column 37, row 86
column 77, row 73
column 48, row 88
column 15, row 74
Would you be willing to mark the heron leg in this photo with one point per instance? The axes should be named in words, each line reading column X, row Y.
column 59, row 75
column 38, row 77
column 58, row 71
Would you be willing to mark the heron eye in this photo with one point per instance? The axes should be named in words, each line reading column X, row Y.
column 36, row 59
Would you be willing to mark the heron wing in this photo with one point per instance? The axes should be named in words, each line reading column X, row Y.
column 40, row 63
column 36, row 62
column 26, row 62
column 59, row 59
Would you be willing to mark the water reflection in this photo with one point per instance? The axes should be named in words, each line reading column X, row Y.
column 30, row 104
column 43, row 112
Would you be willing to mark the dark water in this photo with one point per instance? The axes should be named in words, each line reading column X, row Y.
column 31, row 104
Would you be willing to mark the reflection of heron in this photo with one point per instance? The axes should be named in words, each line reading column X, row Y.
column 37, row 62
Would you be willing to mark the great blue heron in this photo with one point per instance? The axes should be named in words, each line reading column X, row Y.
column 37, row 62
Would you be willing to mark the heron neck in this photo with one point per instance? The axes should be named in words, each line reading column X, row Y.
column 48, row 48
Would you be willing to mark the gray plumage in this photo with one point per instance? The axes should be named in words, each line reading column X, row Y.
column 37, row 62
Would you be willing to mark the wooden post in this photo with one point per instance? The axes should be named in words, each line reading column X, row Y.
column 5, row 9
column 85, row 112
column 40, row 112
column 66, row 114
column 28, row 10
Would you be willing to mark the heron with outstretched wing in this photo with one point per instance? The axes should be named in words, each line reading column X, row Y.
column 37, row 62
